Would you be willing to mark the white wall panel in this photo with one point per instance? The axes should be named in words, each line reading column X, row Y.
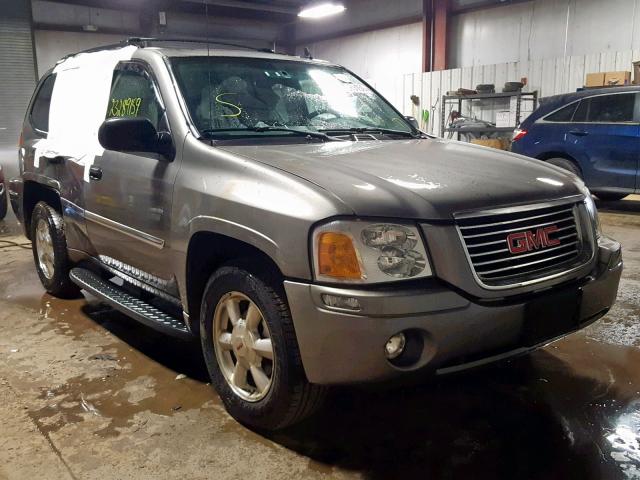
column 53, row 45
column 538, row 30
column 548, row 77
column 382, row 53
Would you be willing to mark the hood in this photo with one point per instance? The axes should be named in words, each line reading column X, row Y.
column 420, row 179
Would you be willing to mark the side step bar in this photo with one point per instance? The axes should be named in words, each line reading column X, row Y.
column 128, row 304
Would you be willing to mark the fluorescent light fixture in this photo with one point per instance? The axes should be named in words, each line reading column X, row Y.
column 320, row 10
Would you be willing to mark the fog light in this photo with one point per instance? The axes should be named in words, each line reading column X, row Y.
column 395, row 346
column 335, row 301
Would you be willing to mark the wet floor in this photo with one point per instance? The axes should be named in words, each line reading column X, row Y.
column 87, row 393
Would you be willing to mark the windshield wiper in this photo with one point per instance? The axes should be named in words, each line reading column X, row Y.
column 306, row 133
column 384, row 131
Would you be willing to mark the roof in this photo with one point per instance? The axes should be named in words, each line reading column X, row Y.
column 587, row 92
column 549, row 104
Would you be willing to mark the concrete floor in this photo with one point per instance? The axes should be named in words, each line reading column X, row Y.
column 88, row 393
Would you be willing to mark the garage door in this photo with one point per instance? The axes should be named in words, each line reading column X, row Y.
column 17, row 75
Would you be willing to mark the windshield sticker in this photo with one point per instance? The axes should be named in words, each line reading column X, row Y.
column 222, row 102
column 125, row 107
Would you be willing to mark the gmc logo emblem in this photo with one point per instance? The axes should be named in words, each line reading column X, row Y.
column 521, row 242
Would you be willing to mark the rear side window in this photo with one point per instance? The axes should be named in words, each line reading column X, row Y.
column 134, row 94
column 612, row 108
column 563, row 115
column 42, row 102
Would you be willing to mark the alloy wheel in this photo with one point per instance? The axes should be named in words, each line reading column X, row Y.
column 243, row 346
column 44, row 248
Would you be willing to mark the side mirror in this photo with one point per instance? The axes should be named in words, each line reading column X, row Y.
column 413, row 122
column 134, row 134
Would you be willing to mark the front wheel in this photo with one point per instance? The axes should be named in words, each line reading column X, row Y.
column 49, row 247
column 251, row 351
column 610, row 196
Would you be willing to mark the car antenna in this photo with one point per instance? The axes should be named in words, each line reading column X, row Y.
column 307, row 53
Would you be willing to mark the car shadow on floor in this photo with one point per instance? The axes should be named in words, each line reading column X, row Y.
column 512, row 421
column 628, row 205
column 529, row 418
column 177, row 355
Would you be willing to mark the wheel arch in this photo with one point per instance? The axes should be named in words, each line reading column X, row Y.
column 33, row 193
column 206, row 252
column 559, row 154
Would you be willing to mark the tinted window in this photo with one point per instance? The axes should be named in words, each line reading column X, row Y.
column 134, row 94
column 582, row 111
column 612, row 108
column 563, row 115
column 41, row 104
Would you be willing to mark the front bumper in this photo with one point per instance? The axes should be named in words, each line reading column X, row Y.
column 457, row 332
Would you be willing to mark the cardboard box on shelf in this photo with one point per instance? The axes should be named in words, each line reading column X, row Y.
column 617, row 78
column 503, row 119
column 499, row 143
column 594, row 80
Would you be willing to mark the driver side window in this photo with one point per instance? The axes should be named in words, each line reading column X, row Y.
column 134, row 94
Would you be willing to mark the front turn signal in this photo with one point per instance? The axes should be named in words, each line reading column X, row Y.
column 337, row 257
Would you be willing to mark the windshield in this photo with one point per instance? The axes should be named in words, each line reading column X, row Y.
column 233, row 96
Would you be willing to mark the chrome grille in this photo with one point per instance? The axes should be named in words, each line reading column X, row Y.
column 486, row 241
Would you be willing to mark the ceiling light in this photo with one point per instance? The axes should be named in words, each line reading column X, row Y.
column 320, row 10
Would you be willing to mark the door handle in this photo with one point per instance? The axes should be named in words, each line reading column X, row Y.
column 53, row 159
column 578, row 133
column 95, row 173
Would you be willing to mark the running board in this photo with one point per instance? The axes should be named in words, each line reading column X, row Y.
column 128, row 304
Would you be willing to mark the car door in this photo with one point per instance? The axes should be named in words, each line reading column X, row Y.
column 129, row 195
column 606, row 130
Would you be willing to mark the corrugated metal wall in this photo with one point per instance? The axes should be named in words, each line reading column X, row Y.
column 548, row 77
column 17, row 71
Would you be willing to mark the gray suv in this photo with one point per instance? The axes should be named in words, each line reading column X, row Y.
column 284, row 213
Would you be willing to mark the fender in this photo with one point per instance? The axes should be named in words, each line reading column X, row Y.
column 222, row 226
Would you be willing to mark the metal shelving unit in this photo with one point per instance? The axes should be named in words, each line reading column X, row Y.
column 449, row 99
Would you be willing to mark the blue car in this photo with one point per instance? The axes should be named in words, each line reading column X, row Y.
column 593, row 133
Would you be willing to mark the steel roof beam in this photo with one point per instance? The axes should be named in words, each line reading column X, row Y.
column 264, row 7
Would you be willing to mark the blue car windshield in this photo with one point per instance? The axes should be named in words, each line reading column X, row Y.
column 230, row 95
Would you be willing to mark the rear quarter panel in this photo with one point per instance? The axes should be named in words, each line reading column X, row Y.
column 549, row 140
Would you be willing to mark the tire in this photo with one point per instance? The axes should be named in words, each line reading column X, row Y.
column 512, row 87
column 49, row 247
column 289, row 397
column 610, row 196
column 3, row 204
column 567, row 165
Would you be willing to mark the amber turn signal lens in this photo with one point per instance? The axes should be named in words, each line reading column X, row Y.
column 337, row 256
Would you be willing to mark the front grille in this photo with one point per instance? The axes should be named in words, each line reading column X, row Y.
column 544, row 240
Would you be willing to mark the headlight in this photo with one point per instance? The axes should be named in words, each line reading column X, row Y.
column 593, row 211
column 366, row 252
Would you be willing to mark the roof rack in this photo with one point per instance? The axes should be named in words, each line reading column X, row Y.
column 111, row 46
column 143, row 42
